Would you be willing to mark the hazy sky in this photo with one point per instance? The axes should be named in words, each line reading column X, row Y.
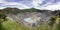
column 24, row 4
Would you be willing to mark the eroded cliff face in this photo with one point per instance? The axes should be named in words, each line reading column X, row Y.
column 32, row 19
column 29, row 17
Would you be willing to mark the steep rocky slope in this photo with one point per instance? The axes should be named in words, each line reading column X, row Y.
column 45, row 16
column 20, row 15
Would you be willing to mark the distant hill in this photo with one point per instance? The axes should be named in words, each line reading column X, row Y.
column 9, row 10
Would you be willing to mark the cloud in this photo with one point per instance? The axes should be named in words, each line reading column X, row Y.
column 38, row 4
column 5, row 3
column 51, row 5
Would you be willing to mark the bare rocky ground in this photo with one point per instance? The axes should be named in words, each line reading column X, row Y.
column 38, row 17
column 45, row 16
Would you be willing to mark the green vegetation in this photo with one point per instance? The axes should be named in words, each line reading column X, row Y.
column 16, row 10
column 52, row 21
column 58, row 27
column 7, row 24
column 2, row 19
column 11, row 25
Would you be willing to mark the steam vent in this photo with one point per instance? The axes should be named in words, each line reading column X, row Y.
column 31, row 19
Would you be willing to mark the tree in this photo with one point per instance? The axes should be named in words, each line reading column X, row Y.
column 2, row 19
column 58, row 26
column 52, row 21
